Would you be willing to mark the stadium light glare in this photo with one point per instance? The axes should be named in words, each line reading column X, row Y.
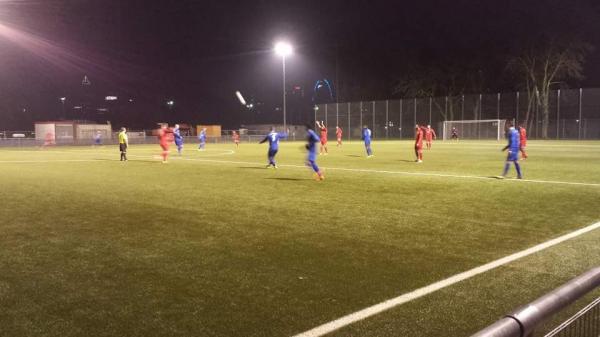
column 283, row 49
column 62, row 99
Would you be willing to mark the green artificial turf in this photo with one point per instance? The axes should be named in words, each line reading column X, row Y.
column 214, row 244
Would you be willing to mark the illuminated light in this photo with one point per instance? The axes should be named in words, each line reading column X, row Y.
column 111, row 98
column 240, row 98
column 283, row 49
column 63, row 99
column 170, row 103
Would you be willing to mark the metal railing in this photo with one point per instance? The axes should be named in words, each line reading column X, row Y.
column 523, row 321
column 584, row 323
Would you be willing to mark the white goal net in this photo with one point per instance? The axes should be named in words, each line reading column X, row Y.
column 474, row 129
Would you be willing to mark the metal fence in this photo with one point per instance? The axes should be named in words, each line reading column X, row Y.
column 573, row 113
column 585, row 323
column 135, row 137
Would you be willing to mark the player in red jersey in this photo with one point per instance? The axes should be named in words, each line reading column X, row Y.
column 523, row 140
column 338, row 134
column 165, row 135
column 49, row 140
column 323, row 130
column 419, row 143
column 429, row 136
column 236, row 138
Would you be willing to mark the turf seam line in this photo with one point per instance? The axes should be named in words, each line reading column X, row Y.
column 415, row 294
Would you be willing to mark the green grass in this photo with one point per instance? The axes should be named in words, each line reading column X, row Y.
column 213, row 244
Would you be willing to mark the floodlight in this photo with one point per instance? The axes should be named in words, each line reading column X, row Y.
column 283, row 49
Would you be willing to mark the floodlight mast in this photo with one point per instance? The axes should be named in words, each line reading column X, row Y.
column 284, row 50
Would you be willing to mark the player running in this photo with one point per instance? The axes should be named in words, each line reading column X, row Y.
column 338, row 135
column 273, row 138
column 202, row 139
column 513, row 151
column 323, row 130
column 236, row 139
column 165, row 135
column 178, row 139
column 311, row 146
column 366, row 137
column 429, row 136
column 419, row 143
column 123, row 143
column 523, row 140
column 454, row 134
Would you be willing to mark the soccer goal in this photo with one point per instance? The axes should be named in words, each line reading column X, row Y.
column 475, row 129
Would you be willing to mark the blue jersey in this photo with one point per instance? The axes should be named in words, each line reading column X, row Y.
column 178, row 137
column 313, row 140
column 202, row 136
column 273, row 139
column 514, row 139
column 366, row 135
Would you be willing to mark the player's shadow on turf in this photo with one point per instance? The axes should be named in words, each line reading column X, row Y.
column 353, row 155
column 286, row 179
column 406, row 160
column 252, row 167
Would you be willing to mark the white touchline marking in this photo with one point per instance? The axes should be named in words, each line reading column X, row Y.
column 48, row 161
column 404, row 298
column 427, row 174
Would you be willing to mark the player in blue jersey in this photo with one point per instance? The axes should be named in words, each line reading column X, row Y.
column 366, row 137
column 311, row 146
column 178, row 139
column 513, row 150
column 202, row 139
column 273, row 138
column 98, row 138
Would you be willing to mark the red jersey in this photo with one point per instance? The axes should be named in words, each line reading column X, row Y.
column 338, row 133
column 429, row 134
column 236, row 137
column 419, row 138
column 523, row 136
column 323, row 134
column 165, row 136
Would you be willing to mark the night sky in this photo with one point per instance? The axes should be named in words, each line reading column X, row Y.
column 198, row 53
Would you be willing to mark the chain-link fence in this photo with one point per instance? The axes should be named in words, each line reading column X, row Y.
column 572, row 113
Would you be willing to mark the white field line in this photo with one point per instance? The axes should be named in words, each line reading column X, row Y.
column 404, row 298
column 426, row 174
column 406, row 173
column 48, row 161
column 112, row 151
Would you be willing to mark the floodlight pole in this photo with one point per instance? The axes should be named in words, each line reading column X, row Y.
column 284, row 103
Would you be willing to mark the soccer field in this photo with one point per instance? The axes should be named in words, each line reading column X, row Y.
column 214, row 244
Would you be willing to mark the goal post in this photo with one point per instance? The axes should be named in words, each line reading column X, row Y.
column 475, row 129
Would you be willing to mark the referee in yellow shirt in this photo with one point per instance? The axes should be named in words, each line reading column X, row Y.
column 123, row 142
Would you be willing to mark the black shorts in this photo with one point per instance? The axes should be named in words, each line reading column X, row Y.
column 123, row 147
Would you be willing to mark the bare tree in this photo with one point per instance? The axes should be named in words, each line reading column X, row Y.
column 543, row 64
